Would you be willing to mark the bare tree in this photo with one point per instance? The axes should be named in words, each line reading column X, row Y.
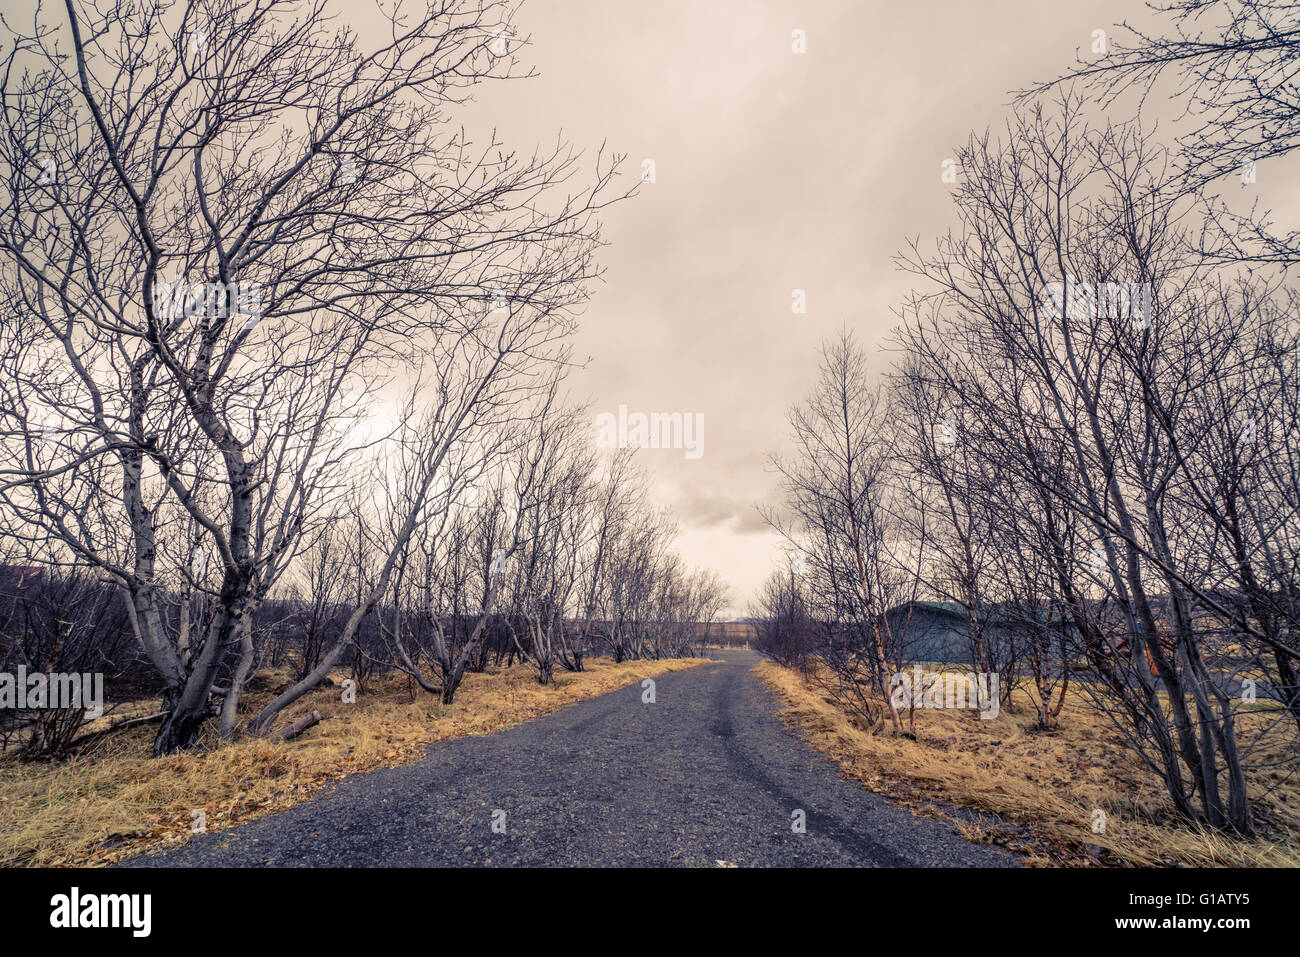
column 787, row 631
column 839, row 488
column 557, row 470
column 1230, row 64
column 1039, row 308
column 223, row 221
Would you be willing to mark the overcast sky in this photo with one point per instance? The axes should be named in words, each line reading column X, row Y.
column 774, row 171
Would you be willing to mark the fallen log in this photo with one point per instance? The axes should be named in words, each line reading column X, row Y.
column 291, row 731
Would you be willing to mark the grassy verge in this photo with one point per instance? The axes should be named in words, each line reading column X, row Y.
column 118, row 802
column 1043, row 788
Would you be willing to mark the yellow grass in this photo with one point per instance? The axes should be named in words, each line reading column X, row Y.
column 1047, row 786
column 119, row 802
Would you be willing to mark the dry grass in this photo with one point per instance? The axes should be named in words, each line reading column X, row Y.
column 1043, row 787
column 119, row 802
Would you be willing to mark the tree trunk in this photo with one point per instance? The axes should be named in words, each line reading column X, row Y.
column 290, row 731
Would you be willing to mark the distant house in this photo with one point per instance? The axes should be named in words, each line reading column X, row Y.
column 931, row 631
column 939, row 631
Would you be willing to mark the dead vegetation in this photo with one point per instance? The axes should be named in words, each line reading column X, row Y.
column 1039, row 792
column 119, row 801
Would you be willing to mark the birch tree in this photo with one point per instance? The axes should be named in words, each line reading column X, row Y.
column 227, row 226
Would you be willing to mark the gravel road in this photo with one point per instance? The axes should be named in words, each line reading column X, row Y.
column 707, row 773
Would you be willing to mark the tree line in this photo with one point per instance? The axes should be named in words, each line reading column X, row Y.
column 286, row 348
column 1085, row 436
